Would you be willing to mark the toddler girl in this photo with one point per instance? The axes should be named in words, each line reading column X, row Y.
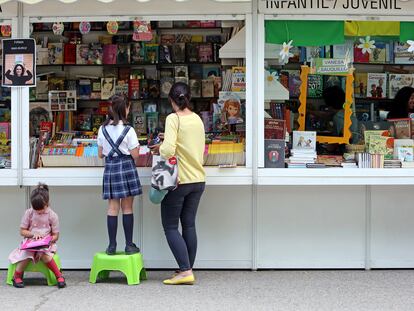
column 38, row 221
column 118, row 144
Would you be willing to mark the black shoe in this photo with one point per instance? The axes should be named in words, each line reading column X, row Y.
column 61, row 284
column 18, row 285
column 111, row 250
column 131, row 249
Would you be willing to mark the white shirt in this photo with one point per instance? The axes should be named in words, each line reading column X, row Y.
column 130, row 141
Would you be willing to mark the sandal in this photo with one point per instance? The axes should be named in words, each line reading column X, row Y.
column 61, row 282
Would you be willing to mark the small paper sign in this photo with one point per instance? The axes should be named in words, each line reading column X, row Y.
column 331, row 66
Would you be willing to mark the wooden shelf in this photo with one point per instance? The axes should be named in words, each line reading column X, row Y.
column 128, row 65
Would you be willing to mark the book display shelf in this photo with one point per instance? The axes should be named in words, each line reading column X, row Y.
column 305, row 125
column 81, row 67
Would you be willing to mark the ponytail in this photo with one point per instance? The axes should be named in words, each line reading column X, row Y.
column 180, row 95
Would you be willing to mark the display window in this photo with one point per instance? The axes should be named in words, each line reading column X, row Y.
column 80, row 65
column 338, row 94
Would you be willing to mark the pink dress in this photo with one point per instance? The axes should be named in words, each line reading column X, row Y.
column 43, row 223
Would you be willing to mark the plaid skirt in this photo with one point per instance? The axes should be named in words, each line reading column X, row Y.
column 120, row 178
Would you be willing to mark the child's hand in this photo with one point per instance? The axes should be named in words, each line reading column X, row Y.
column 37, row 236
column 155, row 149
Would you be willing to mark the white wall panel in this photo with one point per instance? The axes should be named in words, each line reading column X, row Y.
column 224, row 230
column 311, row 227
column 392, row 228
column 12, row 207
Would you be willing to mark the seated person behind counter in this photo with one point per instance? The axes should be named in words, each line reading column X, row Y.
column 334, row 97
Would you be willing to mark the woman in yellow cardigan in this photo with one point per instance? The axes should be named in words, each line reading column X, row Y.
column 184, row 138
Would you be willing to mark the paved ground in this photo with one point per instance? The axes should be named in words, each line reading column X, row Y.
column 222, row 290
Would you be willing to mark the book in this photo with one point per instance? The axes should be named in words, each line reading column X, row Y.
column 274, row 129
column 341, row 51
column 400, row 128
column 82, row 54
column 313, row 52
column 137, row 53
column 143, row 89
column 85, row 88
column 377, row 85
column 360, row 57
column 181, row 71
column 109, row 54
column 195, row 72
column 329, row 81
column 122, row 88
column 207, row 88
column 166, row 84
column 379, row 54
column 210, row 71
column 294, row 82
column 400, row 143
column 107, row 87
column 401, row 54
column 205, row 53
column 123, row 53
column 191, row 50
column 178, row 52
column 139, row 123
column 274, row 153
column 398, row 81
column 5, row 130
column 151, row 53
column 96, row 122
column 165, row 54
column 360, row 84
column 152, row 121
column 304, row 140
column 238, row 83
column 315, row 86
column 83, row 122
column 167, row 39
column 195, row 87
column 154, row 88
column 381, row 145
column 95, row 56
column 134, row 90
column 42, row 55
column 55, row 51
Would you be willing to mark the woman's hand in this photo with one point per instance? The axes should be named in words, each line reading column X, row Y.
column 155, row 149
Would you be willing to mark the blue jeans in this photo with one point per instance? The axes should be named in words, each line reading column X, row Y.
column 182, row 204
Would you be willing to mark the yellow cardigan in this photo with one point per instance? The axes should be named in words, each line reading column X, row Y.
column 188, row 146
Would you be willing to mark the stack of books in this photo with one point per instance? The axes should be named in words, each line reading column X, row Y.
column 366, row 160
column 394, row 163
column 349, row 164
column 303, row 150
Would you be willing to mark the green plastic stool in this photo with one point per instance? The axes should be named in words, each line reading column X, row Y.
column 132, row 266
column 37, row 267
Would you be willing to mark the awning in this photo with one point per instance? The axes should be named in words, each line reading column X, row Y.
column 108, row 1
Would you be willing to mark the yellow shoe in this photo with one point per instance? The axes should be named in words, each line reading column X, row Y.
column 187, row 280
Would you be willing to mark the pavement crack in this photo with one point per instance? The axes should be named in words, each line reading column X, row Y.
column 44, row 298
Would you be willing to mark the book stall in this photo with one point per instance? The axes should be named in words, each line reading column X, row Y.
column 295, row 98
column 333, row 155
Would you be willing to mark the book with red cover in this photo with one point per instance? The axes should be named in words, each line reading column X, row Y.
column 134, row 89
column 69, row 53
column 109, row 53
column 359, row 57
column 275, row 129
column 205, row 53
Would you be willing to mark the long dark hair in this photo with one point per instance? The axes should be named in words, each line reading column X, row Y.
column 399, row 108
column 15, row 69
column 117, row 110
column 39, row 198
column 180, row 94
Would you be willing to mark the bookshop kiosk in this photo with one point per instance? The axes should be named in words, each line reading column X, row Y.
column 277, row 218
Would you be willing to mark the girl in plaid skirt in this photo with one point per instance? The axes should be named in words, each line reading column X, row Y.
column 118, row 144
